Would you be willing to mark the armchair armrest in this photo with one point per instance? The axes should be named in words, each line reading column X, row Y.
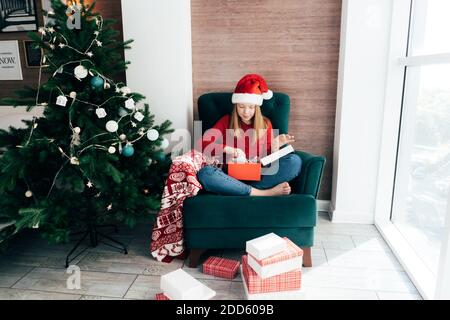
column 308, row 182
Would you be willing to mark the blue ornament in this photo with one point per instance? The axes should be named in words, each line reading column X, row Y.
column 97, row 82
column 160, row 156
column 128, row 150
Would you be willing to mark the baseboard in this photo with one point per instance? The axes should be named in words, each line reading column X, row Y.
column 339, row 216
column 323, row 206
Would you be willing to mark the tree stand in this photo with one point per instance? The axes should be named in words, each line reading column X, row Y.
column 95, row 236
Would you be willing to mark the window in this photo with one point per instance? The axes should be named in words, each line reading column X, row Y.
column 414, row 174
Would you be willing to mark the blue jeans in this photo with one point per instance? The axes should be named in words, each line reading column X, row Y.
column 216, row 181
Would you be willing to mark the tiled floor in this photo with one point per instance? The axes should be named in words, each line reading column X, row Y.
column 350, row 262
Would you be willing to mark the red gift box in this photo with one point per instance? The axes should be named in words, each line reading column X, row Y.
column 161, row 296
column 283, row 282
column 221, row 267
column 245, row 171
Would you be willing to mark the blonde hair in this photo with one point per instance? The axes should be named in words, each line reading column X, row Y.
column 260, row 123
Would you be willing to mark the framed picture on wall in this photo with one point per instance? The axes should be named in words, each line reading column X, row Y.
column 33, row 54
column 10, row 67
column 18, row 16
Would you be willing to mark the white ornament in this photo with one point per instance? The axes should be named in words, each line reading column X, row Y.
column 61, row 101
column 152, row 134
column 100, row 112
column 73, row 95
column 36, row 226
column 141, row 131
column 51, row 30
column 109, row 207
column 89, row 54
column 98, row 43
column 112, row 126
column 139, row 116
column 80, row 72
column 89, row 184
column 129, row 104
column 150, row 161
column 134, row 125
column 122, row 137
column 106, row 85
column 77, row 130
column 164, row 143
column 96, row 33
column 125, row 90
column 52, row 46
column 42, row 31
column 61, row 45
column 117, row 90
column 28, row 194
column 74, row 161
column 111, row 150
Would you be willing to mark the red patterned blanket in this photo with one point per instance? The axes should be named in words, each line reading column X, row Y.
column 182, row 183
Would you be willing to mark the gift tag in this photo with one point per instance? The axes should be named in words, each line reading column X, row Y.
column 129, row 104
column 61, row 101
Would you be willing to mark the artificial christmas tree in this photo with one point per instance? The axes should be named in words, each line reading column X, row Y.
column 95, row 155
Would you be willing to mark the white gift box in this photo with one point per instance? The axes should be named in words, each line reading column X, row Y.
column 276, row 155
column 179, row 285
column 265, row 246
column 281, row 295
column 275, row 269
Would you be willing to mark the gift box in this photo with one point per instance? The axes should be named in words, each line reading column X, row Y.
column 221, row 267
column 179, row 285
column 285, row 261
column 283, row 282
column 281, row 295
column 245, row 171
column 265, row 246
column 161, row 296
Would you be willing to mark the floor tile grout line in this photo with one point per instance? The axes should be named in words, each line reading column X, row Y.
column 356, row 289
column 44, row 291
column 137, row 275
column 348, row 288
column 27, row 273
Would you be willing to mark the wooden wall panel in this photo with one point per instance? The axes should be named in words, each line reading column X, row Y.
column 109, row 9
column 294, row 44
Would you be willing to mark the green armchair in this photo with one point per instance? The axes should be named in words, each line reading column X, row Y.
column 218, row 222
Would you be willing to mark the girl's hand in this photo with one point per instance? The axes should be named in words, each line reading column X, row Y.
column 282, row 139
column 235, row 152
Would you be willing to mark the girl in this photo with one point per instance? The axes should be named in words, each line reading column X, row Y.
column 250, row 136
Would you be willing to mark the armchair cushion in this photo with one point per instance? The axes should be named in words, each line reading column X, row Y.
column 214, row 211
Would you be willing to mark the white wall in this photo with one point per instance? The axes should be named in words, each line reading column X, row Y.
column 365, row 37
column 161, row 57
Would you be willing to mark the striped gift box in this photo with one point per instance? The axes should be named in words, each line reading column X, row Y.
column 291, row 252
column 283, row 282
column 161, row 296
column 221, row 267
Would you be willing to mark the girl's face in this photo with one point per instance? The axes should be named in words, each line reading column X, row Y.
column 246, row 112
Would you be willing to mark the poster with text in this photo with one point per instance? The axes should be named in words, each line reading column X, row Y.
column 10, row 67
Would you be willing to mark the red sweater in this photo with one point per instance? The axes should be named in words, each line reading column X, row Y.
column 215, row 143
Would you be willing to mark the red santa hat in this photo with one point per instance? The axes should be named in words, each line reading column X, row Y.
column 252, row 88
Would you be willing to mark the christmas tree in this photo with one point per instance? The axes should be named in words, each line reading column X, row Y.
column 95, row 155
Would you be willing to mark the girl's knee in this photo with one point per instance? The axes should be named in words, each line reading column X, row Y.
column 293, row 160
column 204, row 174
